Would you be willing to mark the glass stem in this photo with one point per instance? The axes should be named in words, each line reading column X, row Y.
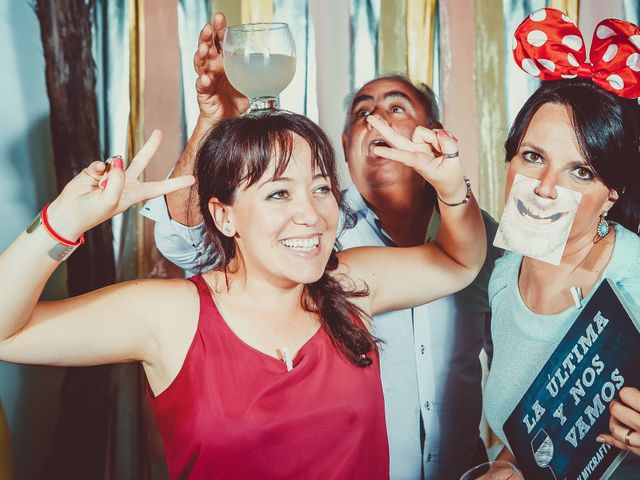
column 264, row 103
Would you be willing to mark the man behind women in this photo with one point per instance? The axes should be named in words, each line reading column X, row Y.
column 429, row 359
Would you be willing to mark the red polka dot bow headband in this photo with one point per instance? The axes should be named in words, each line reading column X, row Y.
column 549, row 46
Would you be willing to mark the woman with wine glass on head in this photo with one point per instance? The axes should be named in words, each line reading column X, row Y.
column 580, row 131
column 263, row 366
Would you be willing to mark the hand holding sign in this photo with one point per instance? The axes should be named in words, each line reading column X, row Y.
column 498, row 470
column 625, row 422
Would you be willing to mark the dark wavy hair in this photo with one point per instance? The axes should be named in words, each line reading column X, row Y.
column 235, row 154
column 608, row 130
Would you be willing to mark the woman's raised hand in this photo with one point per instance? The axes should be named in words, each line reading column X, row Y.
column 95, row 195
column 431, row 153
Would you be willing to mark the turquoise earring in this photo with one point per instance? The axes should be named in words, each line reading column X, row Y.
column 602, row 229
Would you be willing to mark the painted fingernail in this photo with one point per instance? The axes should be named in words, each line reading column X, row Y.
column 103, row 184
column 443, row 133
column 118, row 163
column 600, row 439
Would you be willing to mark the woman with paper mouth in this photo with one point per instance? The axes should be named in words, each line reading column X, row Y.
column 579, row 132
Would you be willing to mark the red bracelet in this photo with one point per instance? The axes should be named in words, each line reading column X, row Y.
column 51, row 231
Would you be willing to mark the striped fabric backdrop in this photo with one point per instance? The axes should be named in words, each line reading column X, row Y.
column 461, row 48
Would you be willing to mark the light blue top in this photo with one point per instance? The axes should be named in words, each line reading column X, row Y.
column 523, row 340
column 429, row 360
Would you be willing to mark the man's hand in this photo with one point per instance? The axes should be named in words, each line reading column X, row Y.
column 217, row 99
column 433, row 154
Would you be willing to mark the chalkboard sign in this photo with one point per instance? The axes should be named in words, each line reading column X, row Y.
column 552, row 431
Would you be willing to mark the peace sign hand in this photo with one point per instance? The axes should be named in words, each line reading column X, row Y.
column 433, row 155
column 97, row 193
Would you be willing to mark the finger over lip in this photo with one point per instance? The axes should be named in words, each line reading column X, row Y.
column 386, row 131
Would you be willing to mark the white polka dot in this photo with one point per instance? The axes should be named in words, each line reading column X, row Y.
column 548, row 64
column 574, row 42
column 537, row 38
column 611, row 52
column 538, row 15
column 616, row 82
column 604, row 32
column 572, row 60
column 633, row 62
column 529, row 66
column 635, row 39
column 568, row 76
column 567, row 19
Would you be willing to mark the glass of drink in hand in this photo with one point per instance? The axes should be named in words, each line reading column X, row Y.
column 497, row 470
column 260, row 61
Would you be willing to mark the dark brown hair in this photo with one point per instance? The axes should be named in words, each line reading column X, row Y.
column 235, row 154
column 608, row 131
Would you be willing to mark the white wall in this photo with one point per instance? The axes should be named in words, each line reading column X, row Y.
column 331, row 25
column 28, row 394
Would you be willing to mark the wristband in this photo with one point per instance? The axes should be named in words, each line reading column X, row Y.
column 64, row 248
column 52, row 232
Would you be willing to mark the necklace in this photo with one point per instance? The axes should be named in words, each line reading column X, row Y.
column 578, row 281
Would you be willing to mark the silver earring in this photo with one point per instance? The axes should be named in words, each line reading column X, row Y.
column 227, row 229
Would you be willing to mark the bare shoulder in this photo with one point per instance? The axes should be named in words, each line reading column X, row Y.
column 350, row 274
column 350, row 268
column 171, row 309
column 363, row 264
column 161, row 297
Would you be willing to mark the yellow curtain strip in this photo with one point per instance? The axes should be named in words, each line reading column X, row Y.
column 257, row 11
column 570, row 7
column 490, row 103
column 132, row 258
column 421, row 18
column 6, row 466
column 231, row 8
column 135, row 138
column 392, row 42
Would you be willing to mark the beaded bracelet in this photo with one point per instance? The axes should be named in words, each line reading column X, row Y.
column 466, row 198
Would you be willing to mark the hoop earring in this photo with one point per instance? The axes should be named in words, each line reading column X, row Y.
column 602, row 229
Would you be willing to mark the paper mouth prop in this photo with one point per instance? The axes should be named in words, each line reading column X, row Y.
column 534, row 226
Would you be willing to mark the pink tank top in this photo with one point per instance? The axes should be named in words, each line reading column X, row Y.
column 234, row 412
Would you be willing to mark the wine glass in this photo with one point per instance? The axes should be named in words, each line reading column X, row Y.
column 542, row 447
column 498, row 470
column 260, row 61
